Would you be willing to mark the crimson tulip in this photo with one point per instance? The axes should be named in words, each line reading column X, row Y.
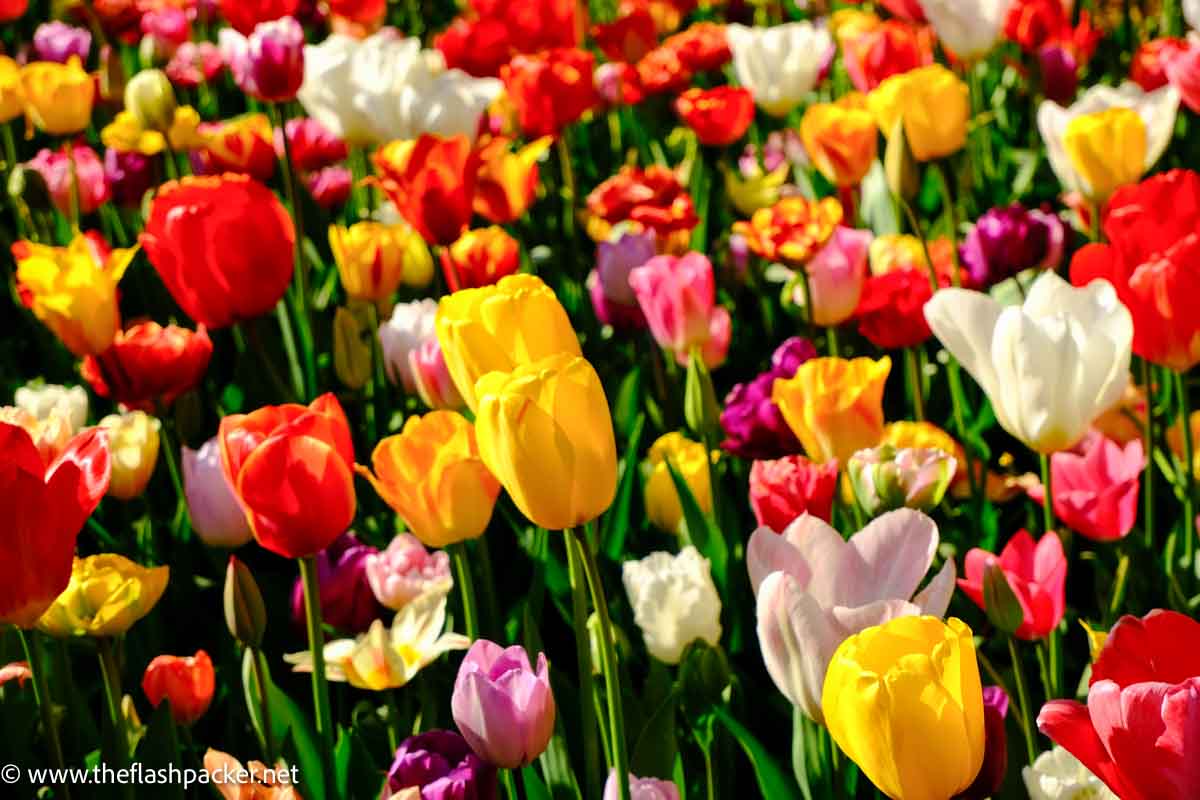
column 243, row 15
column 890, row 311
column 550, row 89
column 1037, row 575
column 719, row 116
column 627, row 38
column 148, row 366
column 785, row 488
column 188, row 683
column 881, row 51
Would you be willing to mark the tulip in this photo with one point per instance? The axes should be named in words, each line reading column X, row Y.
column 1009, row 240
column 330, row 188
column 441, row 766
column 431, row 181
column 752, row 189
column 46, row 504
column 890, row 311
column 781, row 64
column 12, row 100
column 167, row 28
column 835, row 277
column 1058, row 775
column 753, row 424
column 1037, row 576
column 1149, row 261
column 435, row 387
column 88, row 182
column 402, row 334
column 50, row 436
column 133, row 438
column 347, row 601
column 1060, row 73
column 388, row 658
column 150, row 101
column 613, row 299
column 910, row 680
column 1156, row 110
column 181, row 129
column 406, row 570
column 12, row 9
column 106, row 595
column 971, row 28
column 385, row 87
column 244, row 15
column 884, row 478
column 480, row 258
column 652, row 198
column 245, row 614
column 550, row 89
column 880, row 50
column 674, row 602
column 432, row 475
column 701, row 47
column 73, row 289
column 149, row 366
column 312, row 146
column 933, row 106
column 641, row 788
column 187, row 682
column 1183, row 72
column 995, row 754
column 814, row 589
column 792, row 230
column 370, row 258
column 834, row 406
column 58, row 41
column 678, row 298
column 291, row 467
column 243, row 145
column 840, row 139
column 1191, row 13
column 128, row 175
column 503, row 707
column 719, row 116
column 216, row 516
column 1096, row 493
column 267, row 64
column 783, row 489
column 194, row 63
column 689, row 459
column 48, row 400
column 1050, row 366
column 627, row 38
column 256, row 780
column 58, row 97
column 497, row 328
column 545, row 431
column 1148, row 67
column 506, row 184
column 660, row 71
column 242, row 280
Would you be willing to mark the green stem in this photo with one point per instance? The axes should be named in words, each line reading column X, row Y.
column 608, row 656
column 394, row 732
column 316, row 644
column 491, row 606
column 1189, row 488
column 260, row 686
column 1023, row 701
column 289, row 347
column 466, row 585
column 568, row 192
column 167, row 447
column 951, row 216
column 1148, row 433
column 41, row 695
column 912, row 372
column 709, row 782
column 831, row 340
column 1048, row 499
column 112, row 694
column 587, row 680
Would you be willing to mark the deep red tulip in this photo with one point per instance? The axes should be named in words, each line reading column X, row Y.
column 661, row 70
column 362, row 12
column 431, row 181
column 292, row 469
column 652, row 197
column 628, row 38
column 223, row 245
column 785, row 488
column 479, row 47
column 187, row 683
column 480, row 257
column 910, row 10
column 44, row 505
column 891, row 309
column 1036, row 573
column 148, row 366
column 243, row 15
column 719, row 116
column 492, row 31
column 550, row 89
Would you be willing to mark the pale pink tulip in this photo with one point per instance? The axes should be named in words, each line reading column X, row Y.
column 678, row 297
column 836, row 275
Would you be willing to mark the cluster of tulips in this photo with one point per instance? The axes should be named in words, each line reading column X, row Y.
column 580, row 399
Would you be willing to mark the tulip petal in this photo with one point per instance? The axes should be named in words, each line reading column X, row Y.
column 934, row 599
column 896, row 550
column 797, row 641
column 768, row 551
column 1069, row 724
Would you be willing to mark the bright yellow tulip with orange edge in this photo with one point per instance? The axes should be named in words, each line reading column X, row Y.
column 834, row 405
column 12, row 99
column 840, row 139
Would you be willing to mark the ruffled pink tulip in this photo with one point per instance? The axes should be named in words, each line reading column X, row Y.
column 678, row 298
column 815, row 589
column 1096, row 493
column 785, row 488
column 406, row 570
column 502, row 707
column 836, row 275
column 1037, row 575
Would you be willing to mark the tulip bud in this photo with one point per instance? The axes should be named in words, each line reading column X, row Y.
column 700, row 407
column 705, row 675
column 885, row 478
column 351, row 349
column 899, row 166
column 151, row 100
column 28, row 185
column 999, row 602
column 245, row 614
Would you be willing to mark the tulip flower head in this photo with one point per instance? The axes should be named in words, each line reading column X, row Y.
column 347, row 600
column 840, row 138
column 268, row 64
column 133, row 438
column 217, row 517
column 885, row 478
column 1058, row 775
column 1096, row 493
column 791, row 231
column 107, row 594
column 439, row 764
column 834, row 406
column 641, row 788
column 689, row 459
column 58, row 97
column 678, row 298
column 932, row 106
column 1037, row 575
column 674, row 602
column 187, row 682
column 47, row 400
column 149, row 366
column 780, row 65
column 480, row 258
column 405, row 570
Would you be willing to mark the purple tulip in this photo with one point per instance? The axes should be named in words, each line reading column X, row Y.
column 612, row 297
column 442, row 766
column 1009, row 240
column 1060, row 73
column 347, row 602
column 641, row 788
column 269, row 63
column 754, row 425
column 216, row 515
column 130, row 175
column 58, row 41
column 995, row 746
column 504, row 709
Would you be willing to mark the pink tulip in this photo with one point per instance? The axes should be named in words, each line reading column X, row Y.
column 1036, row 574
column 836, row 275
column 55, row 168
column 502, row 707
column 678, row 297
column 785, row 488
column 1096, row 493
column 269, row 63
column 432, row 377
column 217, row 517
column 641, row 788
column 1183, row 72
column 406, row 570
column 816, row 589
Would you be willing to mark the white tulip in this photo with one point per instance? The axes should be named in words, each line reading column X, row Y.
column 970, row 28
column 1050, row 366
column 1191, row 12
column 1157, row 110
column 68, row 403
column 385, row 87
column 674, row 602
column 409, row 326
column 1058, row 775
column 781, row 64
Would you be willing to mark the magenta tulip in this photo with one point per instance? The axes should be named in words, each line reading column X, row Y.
column 1096, row 493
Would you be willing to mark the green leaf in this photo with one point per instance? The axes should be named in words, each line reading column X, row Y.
column 290, row 725
column 616, row 521
column 354, row 769
column 654, row 753
column 772, row 781
column 535, row 789
column 160, row 750
column 627, row 407
column 556, row 769
column 700, row 530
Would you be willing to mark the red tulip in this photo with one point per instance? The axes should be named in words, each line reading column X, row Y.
column 701, row 47
column 1096, row 493
column 243, row 15
column 910, row 10
column 1153, row 261
column 187, row 682
column 222, row 245
column 480, row 257
column 890, row 311
column 292, row 469
column 484, row 40
column 479, row 47
column 719, row 116
column 628, row 38
column 431, row 181
column 12, row 9
column 1137, row 732
column 661, row 70
column 148, row 366
column 884, row 50
column 652, row 197
column 1149, row 67
column 362, row 12
column 1034, row 23
column 1036, row 574
column 785, row 488
column 551, row 89
column 44, row 505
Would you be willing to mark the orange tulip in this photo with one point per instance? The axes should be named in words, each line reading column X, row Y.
column 431, row 181
column 792, row 230
column 187, row 683
column 507, row 182
column 834, row 406
column 291, row 468
column 840, row 139
column 480, row 258
column 719, row 116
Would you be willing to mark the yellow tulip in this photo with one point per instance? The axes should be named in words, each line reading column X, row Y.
column 58, row 97
column 894, row 691
column 150, row 98
column 1107, row 149
column 934, row 105
column 496, row 328
column 125, row 134
column 372, row 258
column 834, row 406
column 749, row 194
column 687, row 457
column 431, row 474
column 546, row 432
column 133, row 440
column 73, row 290
column 107, row 594
column 840, row 139
column 1096, row 640
column 12, row 100
column 895, row 251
